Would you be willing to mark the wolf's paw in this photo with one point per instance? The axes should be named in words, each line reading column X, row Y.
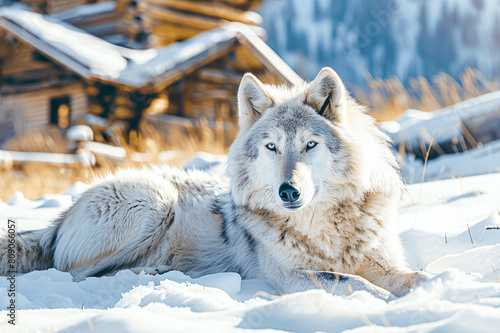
column 420, row 277
column 410, row 281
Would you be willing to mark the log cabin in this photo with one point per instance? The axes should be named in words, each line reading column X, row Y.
column 128, row 61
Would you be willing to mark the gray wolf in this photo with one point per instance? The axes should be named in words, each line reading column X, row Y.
column 310, row 200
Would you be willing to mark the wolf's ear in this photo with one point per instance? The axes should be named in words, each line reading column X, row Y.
column 327, row 95
column 253, row 100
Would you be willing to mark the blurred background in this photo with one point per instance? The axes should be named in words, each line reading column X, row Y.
column 90, row 86
column 386, row 38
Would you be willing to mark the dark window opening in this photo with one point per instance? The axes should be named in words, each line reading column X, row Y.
column 60, row 111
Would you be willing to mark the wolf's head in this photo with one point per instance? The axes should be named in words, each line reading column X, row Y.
column 304, row 145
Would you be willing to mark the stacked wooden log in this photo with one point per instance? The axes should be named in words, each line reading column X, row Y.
column 211, row 91
column 53, row 6
column 174, row 20
column 118, row 23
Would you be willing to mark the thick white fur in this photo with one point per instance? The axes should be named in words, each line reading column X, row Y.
column 341, row 235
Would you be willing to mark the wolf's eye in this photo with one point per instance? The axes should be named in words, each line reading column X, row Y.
column 311, row 145
column 271, row 146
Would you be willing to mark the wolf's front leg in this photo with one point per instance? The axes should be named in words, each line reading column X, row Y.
column 335, row 283
column 398, row 280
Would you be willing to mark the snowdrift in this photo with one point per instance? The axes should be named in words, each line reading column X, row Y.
column 449, row 227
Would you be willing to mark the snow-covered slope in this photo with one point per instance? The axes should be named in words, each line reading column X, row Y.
column 465, row 139
column 406, row 38
column 478, row 161
column 448, row 227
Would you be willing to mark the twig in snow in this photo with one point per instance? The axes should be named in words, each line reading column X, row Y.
column 489, row 227
column 91, row 324
column 384, row 319
column 422, row 181
column 470, row 235
column 425, row 161
column 497, row 280
column 468, row 136
column 430, row 139
column 363, row 318
column 494, row 270
column 462, row 143
column 266, row 295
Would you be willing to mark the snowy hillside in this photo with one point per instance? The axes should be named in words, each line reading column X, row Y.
column 449, row 227
column 406, row 38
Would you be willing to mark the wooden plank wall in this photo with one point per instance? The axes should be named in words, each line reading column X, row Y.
column 31, row 110
column 53, row 6
column 56, row 6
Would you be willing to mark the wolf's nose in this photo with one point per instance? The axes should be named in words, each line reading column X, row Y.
column 288, row 193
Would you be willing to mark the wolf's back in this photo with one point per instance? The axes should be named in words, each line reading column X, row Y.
column 26, row 252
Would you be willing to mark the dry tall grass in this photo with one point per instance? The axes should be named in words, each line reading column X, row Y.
column 390, row 98
column 37, row 179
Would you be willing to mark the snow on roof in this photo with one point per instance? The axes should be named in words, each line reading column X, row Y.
column 156, row 66
column 93, row 58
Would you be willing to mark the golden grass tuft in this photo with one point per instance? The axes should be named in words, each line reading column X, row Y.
column 38, row 179
column 390, row 98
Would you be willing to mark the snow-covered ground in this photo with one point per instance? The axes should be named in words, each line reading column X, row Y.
column 449, row 227
column 482, row 160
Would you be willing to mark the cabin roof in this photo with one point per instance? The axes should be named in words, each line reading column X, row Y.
column 82, row 12
column 93, row 58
